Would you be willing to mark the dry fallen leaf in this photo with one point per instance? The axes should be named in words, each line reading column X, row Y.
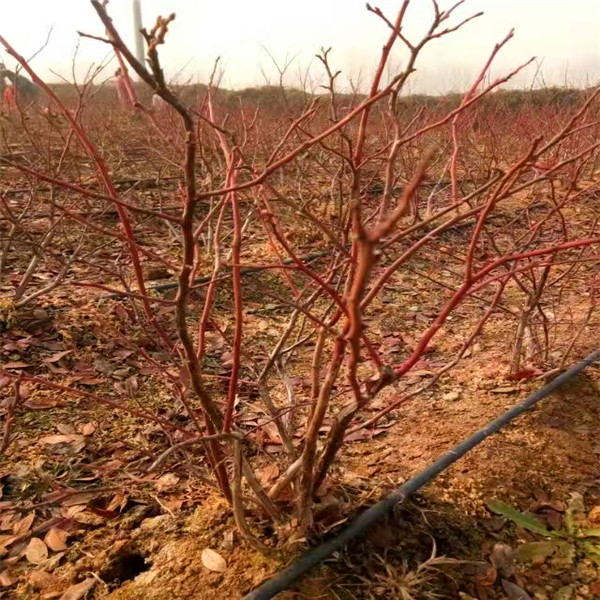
column 87, row 428
column 118, row 502
column 70, row 511
column 166, row 481
column 56, row 439
column 269, row 473
column 88, row 518
column 23, row 525
column 42, row 403
column 56, row 357
column 104, row 366
column 213, row 561
column 6, row 579
column 594, row 515
column 7, row 520
column 79, row 590
column 65, row 428
column 131, row 385
column 121, row 312
column 56, row 539
column 502, row 558
column 16, row 365
column 227, row 359
column 54, row 561
column 79, row 498
column 36, row 551
column 41, row 580
column 7, row 540
column 173, row 503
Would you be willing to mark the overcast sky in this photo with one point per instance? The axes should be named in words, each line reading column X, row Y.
column 563, row 34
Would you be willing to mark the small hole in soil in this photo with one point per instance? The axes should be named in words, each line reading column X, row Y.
column 125, row 568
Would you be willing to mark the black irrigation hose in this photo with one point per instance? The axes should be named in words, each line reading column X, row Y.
column 284, row 579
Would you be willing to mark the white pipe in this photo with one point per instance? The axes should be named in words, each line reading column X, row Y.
column 137, row 25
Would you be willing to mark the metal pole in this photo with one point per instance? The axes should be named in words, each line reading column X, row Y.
column 137, row 25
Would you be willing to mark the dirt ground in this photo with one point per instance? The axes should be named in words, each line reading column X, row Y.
column 80, row 516
column 70, row 478
column 131, row 537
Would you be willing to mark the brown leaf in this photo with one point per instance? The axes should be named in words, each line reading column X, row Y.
column 17, row 550
column 166, row 481
column 8, row 540
column 87, row 428
column 118, row 502
column 80, row 498
column 227, row 359
column 36, row 551
column 42, row 580
column 56, row 357
column 79, row 590
column 6, row 521
column 173, row 503
column 54, row 369
column 594, row 515
column 88, row 518
column 131, row 385
column 213, row 561
column 65, row 428
column 40, row 403
column 104, row 366
column 502, row 557
column 59, row 438
column 23, row 525
column 122, row 353
column 269, row 473
column 6, row 579
column 120, row 387
column 56, row 539
column 214, row 341
column 16, row 365
column 121, row 312
column 71, row 511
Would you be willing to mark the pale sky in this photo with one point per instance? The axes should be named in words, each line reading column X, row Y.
column 563, row 34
